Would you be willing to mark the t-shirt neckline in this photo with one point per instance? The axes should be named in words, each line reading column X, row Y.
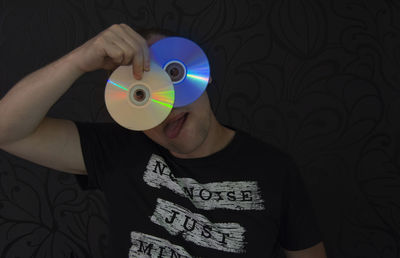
column 213, row 158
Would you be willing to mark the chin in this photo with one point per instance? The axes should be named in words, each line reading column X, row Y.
column 189, row 139
column 186, row 142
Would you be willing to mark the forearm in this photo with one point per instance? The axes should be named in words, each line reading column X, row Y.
column 27, row 102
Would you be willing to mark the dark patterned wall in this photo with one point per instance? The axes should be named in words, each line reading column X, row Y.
column 318, row 78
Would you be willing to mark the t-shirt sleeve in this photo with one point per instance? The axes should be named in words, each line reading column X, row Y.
column 93, row 139
column 298, row 228
column 106, row 147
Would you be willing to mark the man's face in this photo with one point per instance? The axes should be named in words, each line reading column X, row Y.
column 185, row 128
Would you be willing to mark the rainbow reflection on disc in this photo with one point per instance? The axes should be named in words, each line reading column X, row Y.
column 139, row 104
column 186, row 64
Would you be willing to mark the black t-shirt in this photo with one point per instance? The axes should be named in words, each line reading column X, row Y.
column 244, row 201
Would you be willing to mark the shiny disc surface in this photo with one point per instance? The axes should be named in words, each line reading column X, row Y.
column 139, row 104
column 186, row 64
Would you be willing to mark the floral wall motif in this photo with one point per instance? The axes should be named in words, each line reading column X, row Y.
column 320, row 79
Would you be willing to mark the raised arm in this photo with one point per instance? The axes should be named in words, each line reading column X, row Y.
column 25, row 131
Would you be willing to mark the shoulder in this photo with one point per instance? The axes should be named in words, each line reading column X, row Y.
column 260, row 148
column 265, row 161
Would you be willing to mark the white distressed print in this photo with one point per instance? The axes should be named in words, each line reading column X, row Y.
column 196, row 228
column 242, row 195
column 144, row 245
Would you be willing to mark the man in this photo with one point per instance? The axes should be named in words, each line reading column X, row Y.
column 190, row 187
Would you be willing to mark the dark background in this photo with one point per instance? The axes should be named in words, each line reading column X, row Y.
column 318, row 78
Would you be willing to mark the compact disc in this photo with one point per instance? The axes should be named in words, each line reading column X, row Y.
column 186, row 64
column 139, row 104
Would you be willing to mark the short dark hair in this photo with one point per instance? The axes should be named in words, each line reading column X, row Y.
column 147, row 32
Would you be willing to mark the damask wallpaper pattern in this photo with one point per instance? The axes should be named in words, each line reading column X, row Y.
column 319, row 78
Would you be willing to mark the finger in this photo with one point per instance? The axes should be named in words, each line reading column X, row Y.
column 135, row 43
column 128, row 49
column 137, row 55
column 146, row 57
column 113, row 51
column 138, row 65
column 109, row 66
column 143, row 44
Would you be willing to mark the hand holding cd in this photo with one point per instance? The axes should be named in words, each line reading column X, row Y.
column 115, row 46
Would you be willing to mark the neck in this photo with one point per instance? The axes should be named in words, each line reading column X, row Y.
column 218, row 137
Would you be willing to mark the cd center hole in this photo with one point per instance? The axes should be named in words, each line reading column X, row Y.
column 174, row 72
column 139, row 95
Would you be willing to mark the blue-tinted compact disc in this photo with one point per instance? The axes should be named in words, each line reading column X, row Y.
column 186, row 64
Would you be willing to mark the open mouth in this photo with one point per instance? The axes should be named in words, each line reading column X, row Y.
column 172, row 129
